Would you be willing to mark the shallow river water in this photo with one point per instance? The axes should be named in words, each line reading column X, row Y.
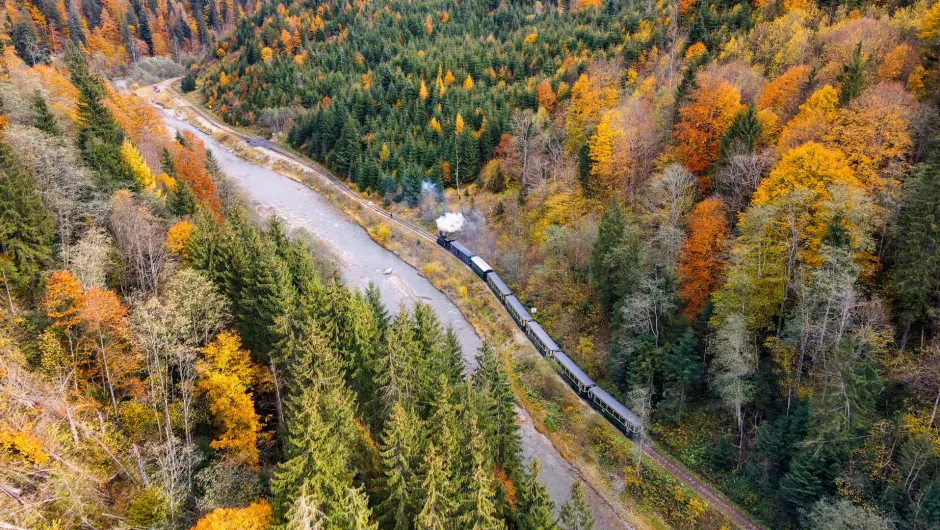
column 364, row 261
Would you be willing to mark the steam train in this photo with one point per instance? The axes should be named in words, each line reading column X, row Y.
column 603, row 402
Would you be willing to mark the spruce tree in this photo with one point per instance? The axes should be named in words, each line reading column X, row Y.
column 26, row 225
column 535, row 506
column 682, row 369
column 182, row 201
column 852, row 78
column 743, row 134
column 437, row 508
column 374, row 298
column 498, row 407
column 99, row 136
column 400, row 447
column 614, row 256
column 347, row 149
column 916, row 273
column 576, row 514
column 44, row 120
column 355, row 513
column 397, row 374
column 479, row 510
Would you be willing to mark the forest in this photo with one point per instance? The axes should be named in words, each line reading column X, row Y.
column 726, row 205
column 168, row 359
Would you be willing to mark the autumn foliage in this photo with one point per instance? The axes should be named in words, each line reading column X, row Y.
column 256, row 516
column 704, row 256
column 703, row 121
column 226, row 376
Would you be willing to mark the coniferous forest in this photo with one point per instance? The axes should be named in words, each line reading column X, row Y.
column 724, row 211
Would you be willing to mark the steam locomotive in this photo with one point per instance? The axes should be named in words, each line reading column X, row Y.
column 603, row 402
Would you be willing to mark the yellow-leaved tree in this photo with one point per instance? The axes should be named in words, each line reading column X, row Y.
column 817, row 114
column 811, row 190
column 256, row 516
column 138, row 166
column 226, row 374
column 589, row 98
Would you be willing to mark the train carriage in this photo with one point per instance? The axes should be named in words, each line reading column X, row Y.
column 463, row 253
column 573, row 373
column 480, row 267
column 615, row 411
column 543, row 342
column 498, row 286
column 518, row 312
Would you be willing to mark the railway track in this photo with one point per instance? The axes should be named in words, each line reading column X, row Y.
column 679, row 472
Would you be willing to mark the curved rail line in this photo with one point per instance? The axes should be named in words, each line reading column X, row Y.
column 683, row 475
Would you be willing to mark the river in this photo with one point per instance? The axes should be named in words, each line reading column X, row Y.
column 362, row 261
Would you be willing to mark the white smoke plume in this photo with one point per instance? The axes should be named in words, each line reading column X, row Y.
column 450, row 222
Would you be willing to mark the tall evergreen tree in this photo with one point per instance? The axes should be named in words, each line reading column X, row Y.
column 347, row 149
column 479, row 510
column 399, row 451
column 499, row 408
column 99, row 136
column 44, row 120
column 535, row 505
column 916, row 272
column 682, row 369
column 614, row 257
column 438, row 507
column 576, row 514
column 852, row 77
column 397, row 374
column 743, row 134
column 26, row 226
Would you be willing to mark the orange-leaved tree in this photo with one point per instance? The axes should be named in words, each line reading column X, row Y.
column 783, row 94
column 256, row 516
column 62, row 301
column 703, row 257
column 226, row 374
column 704, row 120
column 108, row 336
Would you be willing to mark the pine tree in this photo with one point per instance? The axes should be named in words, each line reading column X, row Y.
column 743, row 134
column 499, row 408
column 26, row 226
column 99, row 136
column 44, row 120
column 916, row 273
column 348, row 148
column 682, row 369
column 428, row 357
column 535, row 506
column 853, row 76
column 452, row 356
column 438, row 507
column 614, row 256
column 321, row 435
column 399, row 450
column 576, row 514
column 374, row 298
column 397, row 374
column 355, row 513
column 143, row 26
column 479, row 511
column 182, row 201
